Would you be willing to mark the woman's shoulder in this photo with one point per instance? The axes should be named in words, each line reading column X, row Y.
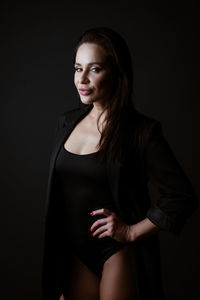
column 142, row 128
column 71, row 114
column 144, row 119
column 143, row 122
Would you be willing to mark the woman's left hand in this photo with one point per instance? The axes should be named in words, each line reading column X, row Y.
column 112, row 226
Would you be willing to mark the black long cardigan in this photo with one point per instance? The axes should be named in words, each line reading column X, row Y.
column 153, row 164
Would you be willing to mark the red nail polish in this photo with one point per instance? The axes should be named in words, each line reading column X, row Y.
column 91, row 213
column 90, row 229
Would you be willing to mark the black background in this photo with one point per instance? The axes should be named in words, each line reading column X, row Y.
column 37, row 41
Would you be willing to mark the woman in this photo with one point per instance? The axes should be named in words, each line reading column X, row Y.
column 101, row 224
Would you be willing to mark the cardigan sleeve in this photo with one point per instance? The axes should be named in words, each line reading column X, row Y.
column 177, row 199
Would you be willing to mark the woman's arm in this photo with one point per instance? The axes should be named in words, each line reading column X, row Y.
column 175, row 203
column 116, row 228
column 142, row 229
column 177, row 199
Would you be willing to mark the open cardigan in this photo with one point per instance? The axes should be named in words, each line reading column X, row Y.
column 154, row 165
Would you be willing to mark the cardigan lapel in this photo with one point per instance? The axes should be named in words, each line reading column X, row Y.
column 65, row 130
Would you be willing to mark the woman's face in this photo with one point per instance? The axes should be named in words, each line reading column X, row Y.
column 93, row 77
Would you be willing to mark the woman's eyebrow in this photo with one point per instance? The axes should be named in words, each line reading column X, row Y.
column 92, row 63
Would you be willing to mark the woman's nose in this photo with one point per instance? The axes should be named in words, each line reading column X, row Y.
column 84, row 78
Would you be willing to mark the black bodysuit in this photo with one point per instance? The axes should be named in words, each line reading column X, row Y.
column 85, row 188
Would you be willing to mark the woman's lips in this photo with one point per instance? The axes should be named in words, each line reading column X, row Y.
column 85, row 92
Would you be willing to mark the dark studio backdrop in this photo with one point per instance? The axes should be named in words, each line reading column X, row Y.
column 37, row 85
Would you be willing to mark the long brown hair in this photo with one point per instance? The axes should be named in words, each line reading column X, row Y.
column 114, row 137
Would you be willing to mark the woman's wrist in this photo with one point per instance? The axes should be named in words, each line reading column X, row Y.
column 142, row 229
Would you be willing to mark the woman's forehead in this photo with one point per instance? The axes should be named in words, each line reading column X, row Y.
column 89, row 53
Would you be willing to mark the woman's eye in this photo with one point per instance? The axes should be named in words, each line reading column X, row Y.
column 95, row 69
column 77, row 69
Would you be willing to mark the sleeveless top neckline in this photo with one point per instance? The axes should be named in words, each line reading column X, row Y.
column 80, row 155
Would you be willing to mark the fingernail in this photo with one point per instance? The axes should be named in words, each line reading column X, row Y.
column 92, row 234
column 91, row 213
column 90, row 229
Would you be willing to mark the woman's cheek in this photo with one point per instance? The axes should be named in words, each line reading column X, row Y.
column 106, row 85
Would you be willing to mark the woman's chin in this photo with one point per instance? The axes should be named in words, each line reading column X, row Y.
column 84, row 100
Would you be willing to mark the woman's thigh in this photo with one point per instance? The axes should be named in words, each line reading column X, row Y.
column 118, row 279
column 83, row 284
